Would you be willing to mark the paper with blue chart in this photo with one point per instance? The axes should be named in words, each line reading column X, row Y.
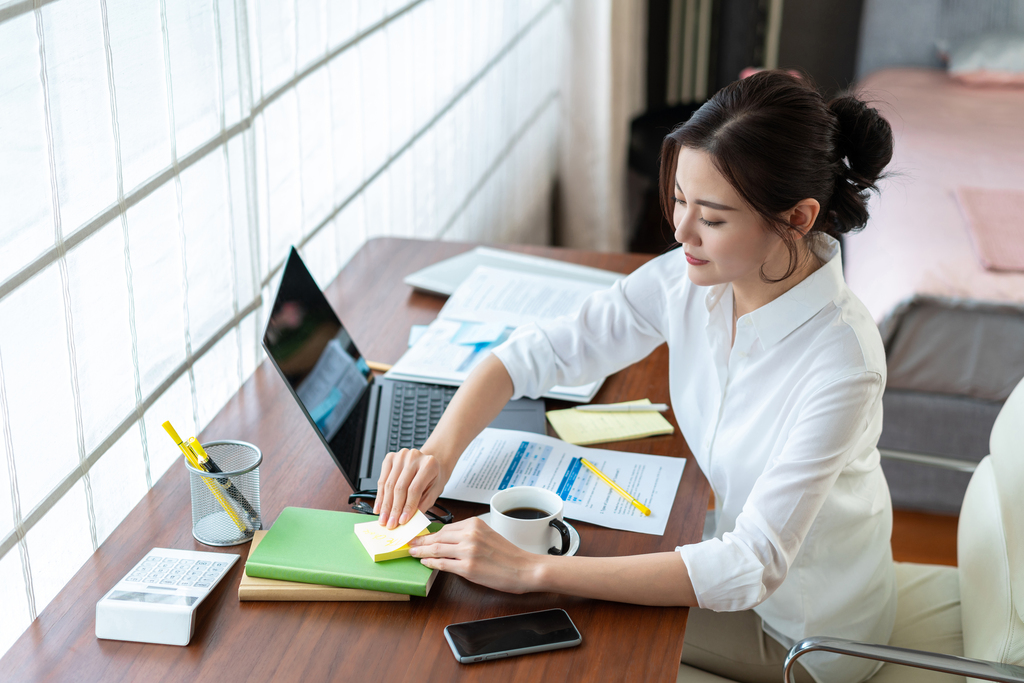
column 481, row 314
column 500, row 458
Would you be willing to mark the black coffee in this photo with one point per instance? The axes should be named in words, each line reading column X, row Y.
column 526, row 513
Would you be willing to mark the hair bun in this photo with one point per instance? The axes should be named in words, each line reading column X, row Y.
column 865, row 141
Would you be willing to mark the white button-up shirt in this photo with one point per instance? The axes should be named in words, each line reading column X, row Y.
column 784, row 422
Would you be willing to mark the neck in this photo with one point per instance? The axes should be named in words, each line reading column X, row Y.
column 752, row 292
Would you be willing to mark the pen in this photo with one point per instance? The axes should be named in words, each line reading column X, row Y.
column 624, row 408
column 377, row 366
column 639, row 506
column 230, row 488
column 191, row 458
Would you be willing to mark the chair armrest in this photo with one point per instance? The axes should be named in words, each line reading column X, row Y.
column 950, row 664
column 941, row 462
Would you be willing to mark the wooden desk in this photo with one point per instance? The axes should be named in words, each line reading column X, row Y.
column 392, row 641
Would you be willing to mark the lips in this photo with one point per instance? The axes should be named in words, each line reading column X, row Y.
column 695, row 261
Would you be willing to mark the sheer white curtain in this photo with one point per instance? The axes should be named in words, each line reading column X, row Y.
column 157, row 157
column 603, row 89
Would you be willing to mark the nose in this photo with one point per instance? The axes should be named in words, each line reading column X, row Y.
column 685, row 232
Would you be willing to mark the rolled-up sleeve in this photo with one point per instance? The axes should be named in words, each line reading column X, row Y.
column 747, row 564
column 615, row 328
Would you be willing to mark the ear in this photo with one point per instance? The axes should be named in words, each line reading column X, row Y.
column 802, row 216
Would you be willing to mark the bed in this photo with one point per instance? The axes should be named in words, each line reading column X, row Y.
column 953, row 328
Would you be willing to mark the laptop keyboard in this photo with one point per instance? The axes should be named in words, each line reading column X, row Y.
column 415, row 410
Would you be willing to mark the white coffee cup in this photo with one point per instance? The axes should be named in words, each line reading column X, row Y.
column 530, row 517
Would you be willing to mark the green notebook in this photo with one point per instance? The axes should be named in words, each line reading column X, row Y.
column 319, row 546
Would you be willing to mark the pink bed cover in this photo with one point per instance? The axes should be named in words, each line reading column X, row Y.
column 917, row 241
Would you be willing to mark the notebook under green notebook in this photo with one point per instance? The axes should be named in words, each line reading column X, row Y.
column 319, row 546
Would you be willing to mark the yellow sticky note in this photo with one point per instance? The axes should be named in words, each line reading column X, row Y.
column 382, row 543
column 585, row 428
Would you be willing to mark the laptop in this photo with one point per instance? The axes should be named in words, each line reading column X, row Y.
column 359, row 417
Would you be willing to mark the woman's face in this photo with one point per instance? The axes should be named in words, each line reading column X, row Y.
column 724, row 240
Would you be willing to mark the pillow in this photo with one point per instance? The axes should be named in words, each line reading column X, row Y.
column 989, row 59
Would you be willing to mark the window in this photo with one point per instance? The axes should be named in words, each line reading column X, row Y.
column 157, row 159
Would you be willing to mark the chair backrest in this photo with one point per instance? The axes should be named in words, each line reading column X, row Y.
column 990, row 544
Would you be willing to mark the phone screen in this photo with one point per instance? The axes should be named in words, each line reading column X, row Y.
column 533, row 632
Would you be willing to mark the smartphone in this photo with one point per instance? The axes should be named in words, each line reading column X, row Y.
column 515, row 634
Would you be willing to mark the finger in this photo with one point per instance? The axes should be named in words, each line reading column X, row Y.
column 385, row 471
column 418, row 487
column 385, row 489
column 449, row 534
column 442, row 564
column 400, row 494
column 449, row 550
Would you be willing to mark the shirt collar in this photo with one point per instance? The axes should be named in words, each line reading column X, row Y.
column 714, row 295
column 776, row 319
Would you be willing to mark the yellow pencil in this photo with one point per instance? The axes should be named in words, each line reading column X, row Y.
column 214, row 489
column 639, row 506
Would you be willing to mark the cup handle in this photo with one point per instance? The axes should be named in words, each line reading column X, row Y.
column 563, row 531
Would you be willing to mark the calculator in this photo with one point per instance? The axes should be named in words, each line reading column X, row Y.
column 156, row 601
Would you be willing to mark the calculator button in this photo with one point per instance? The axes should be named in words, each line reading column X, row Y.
column 202, row 584
column 220, row 565
column 202, row 563
column 167, row 582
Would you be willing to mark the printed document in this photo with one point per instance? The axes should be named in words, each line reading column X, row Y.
column 481, row 314
column 496, row 295
column 500, row 458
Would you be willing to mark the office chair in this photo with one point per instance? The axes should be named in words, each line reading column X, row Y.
column 963, row 621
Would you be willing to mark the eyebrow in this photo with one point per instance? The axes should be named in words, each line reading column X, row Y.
column 710, row 205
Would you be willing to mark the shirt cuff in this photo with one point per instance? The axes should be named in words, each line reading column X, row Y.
column 726, row 576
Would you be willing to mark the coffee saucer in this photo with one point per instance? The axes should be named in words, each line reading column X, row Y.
column 574, row 536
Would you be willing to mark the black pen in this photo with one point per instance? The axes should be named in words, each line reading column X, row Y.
column 229, row 488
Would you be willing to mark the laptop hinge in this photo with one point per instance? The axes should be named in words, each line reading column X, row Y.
column 370, row 432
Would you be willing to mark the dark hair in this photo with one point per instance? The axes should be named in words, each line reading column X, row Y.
column 777, row 142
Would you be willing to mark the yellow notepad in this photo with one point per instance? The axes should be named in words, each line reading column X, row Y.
column 382, row 543
column 585, row 428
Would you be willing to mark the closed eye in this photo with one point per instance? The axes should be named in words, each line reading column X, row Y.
column 710, row 224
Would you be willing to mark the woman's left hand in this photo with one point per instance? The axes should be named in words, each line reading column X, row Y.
column 476, row 552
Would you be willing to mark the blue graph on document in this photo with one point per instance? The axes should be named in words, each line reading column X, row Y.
column 526, row 465
column 574, row 482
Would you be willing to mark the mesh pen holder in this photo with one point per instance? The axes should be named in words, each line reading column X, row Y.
column 226, row 504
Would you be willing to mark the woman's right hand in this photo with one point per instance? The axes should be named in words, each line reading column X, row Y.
column 409, row 480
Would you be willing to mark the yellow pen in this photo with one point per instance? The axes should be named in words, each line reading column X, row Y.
column 214, row 489
column 210, row 466
column 639, row 506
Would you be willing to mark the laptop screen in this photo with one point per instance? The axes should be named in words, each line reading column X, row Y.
column 320, row 363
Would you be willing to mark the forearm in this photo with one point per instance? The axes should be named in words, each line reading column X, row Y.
column 477, row 402
column 655, row 579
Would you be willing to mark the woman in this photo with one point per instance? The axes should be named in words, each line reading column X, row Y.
column 776, row 376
